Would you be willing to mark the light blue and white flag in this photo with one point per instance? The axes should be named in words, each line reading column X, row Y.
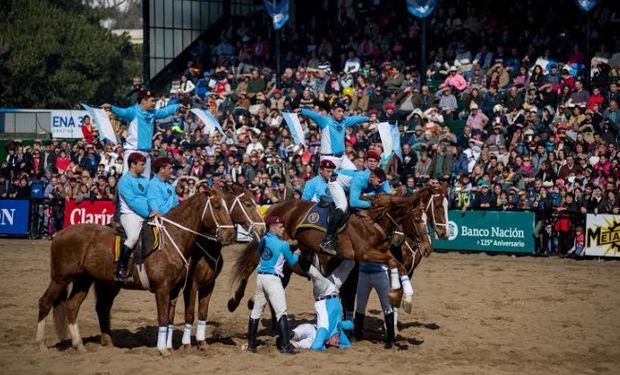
column 398, row 151
column 586, row 5
column 292, row 121
column 386, row 137
column 102, row 122
column 209, row 120
column 421, row 8
column 278, row 10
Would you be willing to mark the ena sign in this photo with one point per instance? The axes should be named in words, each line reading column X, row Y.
column 14, row 217
column 67, row 124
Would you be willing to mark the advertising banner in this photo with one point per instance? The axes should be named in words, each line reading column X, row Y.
column 66, row 124
column 603, row 235
column 93, row 212
column 492, row 231
column 14, row 216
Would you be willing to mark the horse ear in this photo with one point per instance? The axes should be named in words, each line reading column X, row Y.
column 209, row 192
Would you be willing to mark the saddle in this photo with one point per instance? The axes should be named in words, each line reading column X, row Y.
column 317, row 217
column 148, row 242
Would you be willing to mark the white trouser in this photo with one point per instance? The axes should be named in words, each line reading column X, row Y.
column 303, row 336
column 269, row 287
column 380, row 282
column 132, row 223
column 325, row 286
column 337, row 191
column 342, row 162
column 147, row 166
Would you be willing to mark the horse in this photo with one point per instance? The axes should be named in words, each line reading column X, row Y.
column 82, row 255
column 207, row 262
column 364, row 238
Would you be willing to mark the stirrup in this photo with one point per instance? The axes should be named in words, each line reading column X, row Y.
column 121, row 276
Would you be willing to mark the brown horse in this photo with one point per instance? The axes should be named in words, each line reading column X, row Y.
column 82, row 255
column 208, row 262
column 365, row 237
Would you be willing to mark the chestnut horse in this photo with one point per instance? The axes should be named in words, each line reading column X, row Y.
column 365, row 238
column 207, row 262
column 82, row 255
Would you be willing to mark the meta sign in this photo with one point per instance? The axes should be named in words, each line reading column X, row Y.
column 491, row 231
column 14, row 215
column 91, row 212
column 67, row 124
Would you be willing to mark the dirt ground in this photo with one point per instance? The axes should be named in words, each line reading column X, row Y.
column 473, row 314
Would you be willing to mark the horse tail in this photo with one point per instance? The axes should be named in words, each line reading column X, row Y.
column 60, row 318
column 242, row 269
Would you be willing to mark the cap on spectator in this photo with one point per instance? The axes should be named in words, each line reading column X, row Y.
column 373, row 111
column 550, row 110
column 271, row 220
column 498, row 125
column 373, row 155
column 277, row 92
column 379, row 173
column 484, row 184
column 327, row 164
column 473, row 105
column 143, row 94
column 160, row 163
column 559, row 181
column 498, row 108
column 390, row 106
column 453, row 68
column 547, row 183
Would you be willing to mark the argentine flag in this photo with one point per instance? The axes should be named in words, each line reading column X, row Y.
column 292, row 121
column 102, row 122
column 421, row 8
column 390, row 138
column 209, row 120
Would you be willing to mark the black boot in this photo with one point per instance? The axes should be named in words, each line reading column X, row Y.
column 121, row 267
column 358, row 326
column 285, row 341
column 252, row 330
column 390, row 337
column 330, row 243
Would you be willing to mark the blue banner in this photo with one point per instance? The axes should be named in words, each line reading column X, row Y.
column 278, row 10
column 14, row 216
column 396, row 141
column 421, row 8
column 586, row 5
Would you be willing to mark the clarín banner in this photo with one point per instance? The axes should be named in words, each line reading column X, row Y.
column 87, row 211
column 603, row 235
column 492, row 231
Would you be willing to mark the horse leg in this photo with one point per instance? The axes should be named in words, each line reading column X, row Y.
column 174, row 296
column 189, row 297
column 162, row 298
column 55, row 295
column 81, row 285
column 204, row 297
column 396, row 269
column 105, row 299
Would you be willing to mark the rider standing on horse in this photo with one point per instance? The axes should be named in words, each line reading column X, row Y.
column 134, row 209
column 333, row 149
column 358, row 182
column 273, row 253
column 316, row 187
column 161, row 194
column 141, row 118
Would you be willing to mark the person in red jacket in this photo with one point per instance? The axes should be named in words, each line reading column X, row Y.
column 88, row 130
column 595, row 99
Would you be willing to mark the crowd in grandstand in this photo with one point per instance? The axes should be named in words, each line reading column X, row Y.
column 501, row 113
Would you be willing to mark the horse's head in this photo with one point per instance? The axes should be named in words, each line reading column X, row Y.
column 436, row 209
column 243, row 210
column 216, row 218
column 417, row 223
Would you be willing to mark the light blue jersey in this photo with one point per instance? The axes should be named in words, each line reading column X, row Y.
column 141, row 124
column 332, row 132
column 132, row 192
column 332, row 312
column 273, row 253
column 314, row 189
column 161, row 195
column 360, row 184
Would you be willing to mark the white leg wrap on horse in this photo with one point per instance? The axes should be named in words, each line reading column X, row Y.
column 395, row 311
column 201, row 330
column 407, row 288
column 169, row 336
column 76, row 340
column 187, row 334
column 161, row 338
column 395, row 280
column 41, row 332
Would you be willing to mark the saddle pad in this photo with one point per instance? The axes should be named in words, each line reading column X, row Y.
column 116, row 246
column 316, row 218
column 149, row 242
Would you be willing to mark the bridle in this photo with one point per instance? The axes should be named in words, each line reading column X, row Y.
column 218, row 226
column 432, row 207
column 253, row 224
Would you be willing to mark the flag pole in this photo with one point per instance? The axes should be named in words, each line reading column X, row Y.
column 423, row 53
column 278, row 67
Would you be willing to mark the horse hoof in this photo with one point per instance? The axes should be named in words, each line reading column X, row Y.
column 42, row 347
column 165, row 353
column 232, row 304
column 186, row 346
column 395, row 296
column 106, row 340
column 202, row 345
column 251, row 304
column 80, row 348
column 407, row 305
